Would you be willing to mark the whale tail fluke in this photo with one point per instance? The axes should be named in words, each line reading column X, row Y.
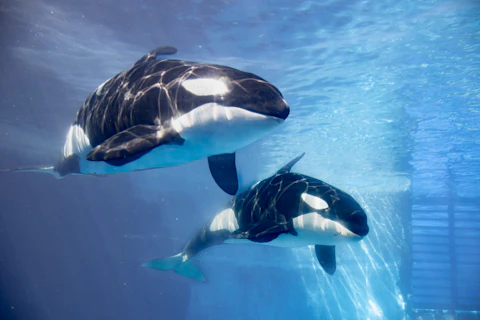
column 42, row 169
column 179, row 264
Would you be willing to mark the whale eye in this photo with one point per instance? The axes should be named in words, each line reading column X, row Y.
column 314, row 202
column 205, row 87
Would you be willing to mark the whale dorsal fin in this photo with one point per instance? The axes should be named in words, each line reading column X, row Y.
column 162, row 51
column 288, row 166
column 159, row 51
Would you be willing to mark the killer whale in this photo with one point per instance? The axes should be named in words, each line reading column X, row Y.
column 164, row 112
column 285, row 210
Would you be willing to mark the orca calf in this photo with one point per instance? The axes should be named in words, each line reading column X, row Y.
column 285, row 210
column 163, row 112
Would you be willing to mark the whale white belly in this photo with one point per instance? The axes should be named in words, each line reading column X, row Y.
column 208, row 130
column 312, row 229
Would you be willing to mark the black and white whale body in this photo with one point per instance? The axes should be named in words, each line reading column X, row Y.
column 164, row 112
column 285, row 210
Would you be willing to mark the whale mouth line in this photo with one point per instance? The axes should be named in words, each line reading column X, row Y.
column 361, row 235
column 271, row 117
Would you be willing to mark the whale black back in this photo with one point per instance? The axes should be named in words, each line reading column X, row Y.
column 150, row 93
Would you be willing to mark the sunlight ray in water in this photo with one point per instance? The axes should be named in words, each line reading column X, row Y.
column 367, row 272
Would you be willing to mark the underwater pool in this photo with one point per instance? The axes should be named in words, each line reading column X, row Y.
column 384, row 101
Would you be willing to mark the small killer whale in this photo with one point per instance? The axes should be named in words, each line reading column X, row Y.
column 285, row 210
column 164, row 112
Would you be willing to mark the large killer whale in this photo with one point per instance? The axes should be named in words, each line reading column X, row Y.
column 285, row 210
column 163, row 112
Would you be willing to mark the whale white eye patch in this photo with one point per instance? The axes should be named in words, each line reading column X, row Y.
column 314, row 202
column 205, row 87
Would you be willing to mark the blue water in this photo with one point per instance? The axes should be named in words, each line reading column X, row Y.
column 384, row 100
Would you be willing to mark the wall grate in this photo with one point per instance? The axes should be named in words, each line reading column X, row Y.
column 445, row 253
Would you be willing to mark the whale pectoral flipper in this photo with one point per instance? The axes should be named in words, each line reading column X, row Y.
column 326, row 258
column 224, row 172
column 133, row 142
column 264, row 231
